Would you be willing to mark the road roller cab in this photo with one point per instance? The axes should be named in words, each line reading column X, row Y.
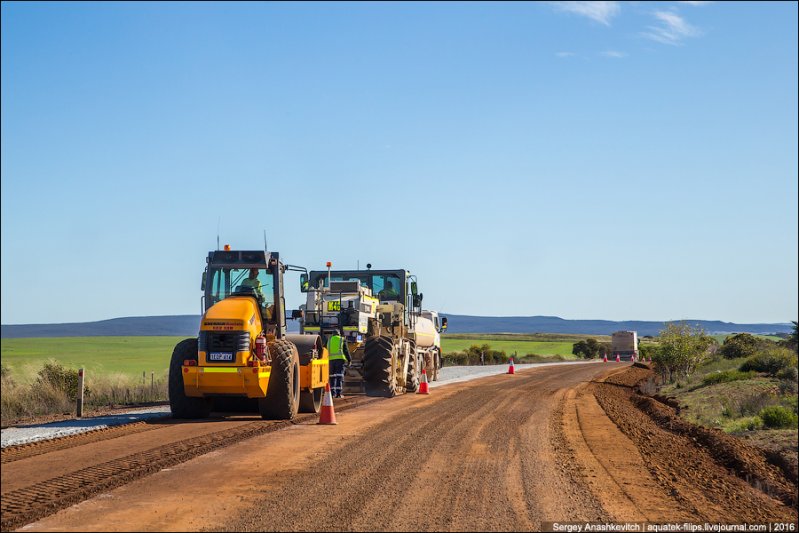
column 242, row 350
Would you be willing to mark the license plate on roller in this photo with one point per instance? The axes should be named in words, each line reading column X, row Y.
column 220, row 356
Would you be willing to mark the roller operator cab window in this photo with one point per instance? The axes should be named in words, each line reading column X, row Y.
column 226, row 282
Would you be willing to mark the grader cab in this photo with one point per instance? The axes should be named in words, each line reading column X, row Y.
column 242, row 350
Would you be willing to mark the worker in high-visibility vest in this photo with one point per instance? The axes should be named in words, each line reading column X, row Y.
column 338, row 355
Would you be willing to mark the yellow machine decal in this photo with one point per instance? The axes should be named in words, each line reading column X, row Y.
column 221, row 370
column 334, row 306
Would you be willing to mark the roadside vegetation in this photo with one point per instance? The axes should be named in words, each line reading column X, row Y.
column 746, row 385
column 53, row 391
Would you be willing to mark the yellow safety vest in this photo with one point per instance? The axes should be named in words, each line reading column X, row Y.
column 334, row 348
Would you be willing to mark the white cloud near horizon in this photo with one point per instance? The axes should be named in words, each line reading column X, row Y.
column 601, row 12
column 672, row 29
column 694, row 3
column 614, row 54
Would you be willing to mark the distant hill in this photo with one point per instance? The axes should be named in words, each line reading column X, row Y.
column 187, row 325
column 553, row 324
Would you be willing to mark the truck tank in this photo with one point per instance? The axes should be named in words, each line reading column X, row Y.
column 424, row 332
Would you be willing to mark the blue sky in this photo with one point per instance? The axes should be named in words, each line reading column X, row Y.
column 586, row 160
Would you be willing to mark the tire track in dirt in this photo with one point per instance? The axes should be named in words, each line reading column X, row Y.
column 478, row 461
column 10, row 454
column 33, row 502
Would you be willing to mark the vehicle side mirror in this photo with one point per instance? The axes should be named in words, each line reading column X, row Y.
column 417, row 300
column 443, row 323
column 202, row 285
column 303, row 282
column 414, row 288
column 296, row 313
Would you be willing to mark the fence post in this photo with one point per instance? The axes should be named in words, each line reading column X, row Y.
column 81, row 373
column 152, row 384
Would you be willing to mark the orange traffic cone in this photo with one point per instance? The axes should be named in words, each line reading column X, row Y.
column 605, row 358
column 423, row 387
column 618, row 358
column 511, row 370
column 327, row 415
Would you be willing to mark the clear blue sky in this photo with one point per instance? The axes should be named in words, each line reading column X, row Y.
column 590, row 160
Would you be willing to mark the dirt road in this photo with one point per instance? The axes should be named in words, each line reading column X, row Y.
column 500, row 453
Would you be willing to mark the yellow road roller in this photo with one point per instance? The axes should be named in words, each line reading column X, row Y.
column 242, row 352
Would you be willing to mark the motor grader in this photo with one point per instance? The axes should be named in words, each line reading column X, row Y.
column 379, row 313
column 243, row 351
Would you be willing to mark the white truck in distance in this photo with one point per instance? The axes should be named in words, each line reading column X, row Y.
column 624, row 344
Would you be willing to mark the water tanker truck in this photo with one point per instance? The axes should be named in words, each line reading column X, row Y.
column 379, row 313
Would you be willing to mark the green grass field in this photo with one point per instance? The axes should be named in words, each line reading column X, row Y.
column 100, row 355
column 134, row 355
column 521, row 347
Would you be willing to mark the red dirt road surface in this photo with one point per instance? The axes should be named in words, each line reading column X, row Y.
column 570, row 443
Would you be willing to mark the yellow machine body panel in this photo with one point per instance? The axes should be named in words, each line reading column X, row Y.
column 235, row 310
column 227, row 339
column 234, row 323
column 251, row 382
column 316, row 374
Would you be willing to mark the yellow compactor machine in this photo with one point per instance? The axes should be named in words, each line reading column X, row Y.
column 242, row 350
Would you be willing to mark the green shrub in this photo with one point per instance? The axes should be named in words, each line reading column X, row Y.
column 5, row 377
column 778, row 417
column 60, row 378
column 725, row 377
column 750, row 423
column 770, row 361
column 742, row 345
column 789, row 381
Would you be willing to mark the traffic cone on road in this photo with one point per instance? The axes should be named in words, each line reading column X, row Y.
column 327, row 415
column 618, row 358
column 605, row 358
column 511, row 370
column 423, row 387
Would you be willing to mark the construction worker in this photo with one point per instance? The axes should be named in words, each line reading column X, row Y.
column 255, row 283
column 387, row 292
column 338, row 355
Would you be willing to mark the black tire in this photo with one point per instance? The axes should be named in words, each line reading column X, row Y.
column 181, row 405
column 283, row 393
column 379, row 373
column 311, row 401
column 413, row 377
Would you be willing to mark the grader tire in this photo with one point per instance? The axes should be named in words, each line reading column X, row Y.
column 378, row 367
column 283, row 392
column 414, row 373
column 183, row 406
